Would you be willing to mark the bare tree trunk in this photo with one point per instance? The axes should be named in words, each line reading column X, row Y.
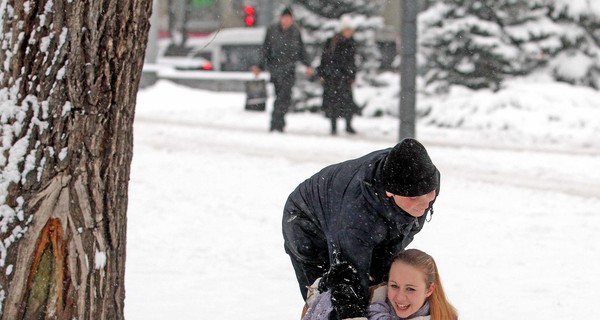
column 69, row 74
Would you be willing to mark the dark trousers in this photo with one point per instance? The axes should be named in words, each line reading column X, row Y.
column 307, row 273
column 283, row 99
column 306, row 245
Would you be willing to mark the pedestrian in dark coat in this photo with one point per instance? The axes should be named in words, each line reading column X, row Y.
column 282, row 48
column 359, row 212
column 338, row 72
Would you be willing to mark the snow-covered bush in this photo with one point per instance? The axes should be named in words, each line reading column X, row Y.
column 481, row 43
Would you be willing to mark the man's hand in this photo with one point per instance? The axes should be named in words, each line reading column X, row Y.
column 347, row 295
column 341, row 273
column 309, row 71
column 349, row 302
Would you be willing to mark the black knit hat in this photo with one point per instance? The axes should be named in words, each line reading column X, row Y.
column 408, row 170
column 287, row 12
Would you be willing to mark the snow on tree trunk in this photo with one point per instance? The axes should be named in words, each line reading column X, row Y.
column 69, row 76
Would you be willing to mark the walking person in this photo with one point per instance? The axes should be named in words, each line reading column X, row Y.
column 338, row 73
column 281, row 50
column 361, row 211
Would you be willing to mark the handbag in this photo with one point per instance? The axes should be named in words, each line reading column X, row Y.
column 256, row 95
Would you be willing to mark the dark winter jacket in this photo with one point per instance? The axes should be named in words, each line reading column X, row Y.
column 282, row 49
column 338, row 70
column 342, row 212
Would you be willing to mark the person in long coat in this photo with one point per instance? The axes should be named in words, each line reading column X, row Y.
column 338, row 73
column 361, row 211
column 281, row 50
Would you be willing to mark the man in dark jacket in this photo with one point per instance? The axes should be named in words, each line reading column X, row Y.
column 282, row 48
column 360, row 212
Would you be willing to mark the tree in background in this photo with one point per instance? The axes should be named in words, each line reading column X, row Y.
column 480, row 43
column 68, row 85
column 319, row 21
column 578, row 61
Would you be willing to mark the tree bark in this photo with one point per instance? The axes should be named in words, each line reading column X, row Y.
column 69, row 74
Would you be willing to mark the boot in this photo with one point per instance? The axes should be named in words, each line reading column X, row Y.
column 333, row 126
column 349, row 128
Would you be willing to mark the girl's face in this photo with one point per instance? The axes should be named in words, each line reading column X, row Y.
column 407, row 290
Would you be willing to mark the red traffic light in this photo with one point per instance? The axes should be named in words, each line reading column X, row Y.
column 250, row 18
column 250, row 21
column 249, row 10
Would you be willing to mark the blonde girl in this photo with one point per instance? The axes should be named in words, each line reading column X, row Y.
column 414, row 291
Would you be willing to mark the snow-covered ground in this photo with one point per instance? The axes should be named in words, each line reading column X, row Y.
column 515, row 231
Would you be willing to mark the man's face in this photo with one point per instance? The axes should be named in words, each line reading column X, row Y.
column 286, row 21
column 415, row 206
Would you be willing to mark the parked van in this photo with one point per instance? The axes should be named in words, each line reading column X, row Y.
column 232, row 49
column 229, row 49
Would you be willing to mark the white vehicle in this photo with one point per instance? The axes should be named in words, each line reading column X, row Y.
column 185, row 63
column 229, row 49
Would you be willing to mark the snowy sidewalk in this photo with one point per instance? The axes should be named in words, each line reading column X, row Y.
column 516, row 227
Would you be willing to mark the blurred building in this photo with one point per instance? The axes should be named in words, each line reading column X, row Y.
column 197, row 17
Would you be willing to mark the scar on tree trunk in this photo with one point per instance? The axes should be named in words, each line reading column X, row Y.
column 48, row 279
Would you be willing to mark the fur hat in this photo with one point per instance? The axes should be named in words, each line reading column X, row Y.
column 408, row 170
column 346, row 22
column 287, row 12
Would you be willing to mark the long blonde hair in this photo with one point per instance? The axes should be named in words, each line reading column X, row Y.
column 439, row 307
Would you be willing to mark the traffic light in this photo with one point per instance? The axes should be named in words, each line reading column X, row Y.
column 249, row 16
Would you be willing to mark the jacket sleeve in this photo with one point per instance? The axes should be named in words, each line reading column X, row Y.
column 265, row 50
column 303, row 57
column 320, row 308
column 325, row 60
column 351, row 61
column 356, row 247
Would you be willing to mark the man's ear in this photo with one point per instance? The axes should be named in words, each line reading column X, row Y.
column 389, row 194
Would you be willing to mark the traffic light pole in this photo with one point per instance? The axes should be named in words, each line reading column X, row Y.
column 408, row 67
